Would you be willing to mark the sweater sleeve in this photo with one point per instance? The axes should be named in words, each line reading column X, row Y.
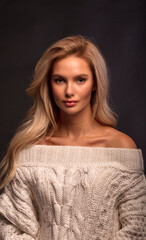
column 132, row 210
column 18, row 216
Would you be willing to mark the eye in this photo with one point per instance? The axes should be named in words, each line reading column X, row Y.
column 59, row 80
column 81, row 80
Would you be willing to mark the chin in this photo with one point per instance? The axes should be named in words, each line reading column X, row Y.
column 69, row 111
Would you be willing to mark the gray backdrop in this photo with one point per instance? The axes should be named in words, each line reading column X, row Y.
column 28, row 27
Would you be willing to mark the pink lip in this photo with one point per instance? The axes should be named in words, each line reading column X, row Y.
column 70, row 103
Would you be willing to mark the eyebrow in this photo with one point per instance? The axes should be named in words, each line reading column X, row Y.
column 77, row 76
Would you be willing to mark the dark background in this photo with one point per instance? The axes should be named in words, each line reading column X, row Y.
column 28, row 27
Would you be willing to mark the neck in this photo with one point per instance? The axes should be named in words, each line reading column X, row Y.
column 75, row 126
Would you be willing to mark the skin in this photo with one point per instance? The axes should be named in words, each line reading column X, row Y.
column 72, row 80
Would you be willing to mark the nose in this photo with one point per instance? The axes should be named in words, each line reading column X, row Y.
column 69, row 90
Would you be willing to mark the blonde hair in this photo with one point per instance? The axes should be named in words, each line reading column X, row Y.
column 42, row 118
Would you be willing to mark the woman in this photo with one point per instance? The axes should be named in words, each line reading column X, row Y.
column 68, row 173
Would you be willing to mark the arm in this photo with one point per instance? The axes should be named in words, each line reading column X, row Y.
column 132, row 210
column 18, row 218
column 11, row 232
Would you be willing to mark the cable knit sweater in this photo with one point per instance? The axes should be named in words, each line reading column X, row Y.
column 75, row 193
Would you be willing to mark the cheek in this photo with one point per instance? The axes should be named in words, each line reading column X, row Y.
column 56, row 91
column 56, row 95
column 86, row 92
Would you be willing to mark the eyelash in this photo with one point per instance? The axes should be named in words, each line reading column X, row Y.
column 57, row 80
column 60, row 80
column 81, row 79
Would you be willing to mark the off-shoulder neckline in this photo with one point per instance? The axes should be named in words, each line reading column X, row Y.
column 46, row 155
column 87, row 147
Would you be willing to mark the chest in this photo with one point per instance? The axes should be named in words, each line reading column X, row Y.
column 82, row 197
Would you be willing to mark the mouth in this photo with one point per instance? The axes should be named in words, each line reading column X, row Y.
column 70, row 103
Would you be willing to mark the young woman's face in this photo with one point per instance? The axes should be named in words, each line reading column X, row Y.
column 72, row 84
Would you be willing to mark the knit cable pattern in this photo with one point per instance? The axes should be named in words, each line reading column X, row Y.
column 75, row 193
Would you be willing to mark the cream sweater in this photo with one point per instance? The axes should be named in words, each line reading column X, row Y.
column 75, row 193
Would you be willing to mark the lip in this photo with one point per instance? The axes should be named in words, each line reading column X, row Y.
column 70, row 103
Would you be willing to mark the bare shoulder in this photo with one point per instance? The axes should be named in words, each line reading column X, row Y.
column 121, row 140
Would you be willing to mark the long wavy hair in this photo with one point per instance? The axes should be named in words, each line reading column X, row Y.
column 42, row 118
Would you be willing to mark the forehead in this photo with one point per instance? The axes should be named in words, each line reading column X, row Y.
column 71, row 64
